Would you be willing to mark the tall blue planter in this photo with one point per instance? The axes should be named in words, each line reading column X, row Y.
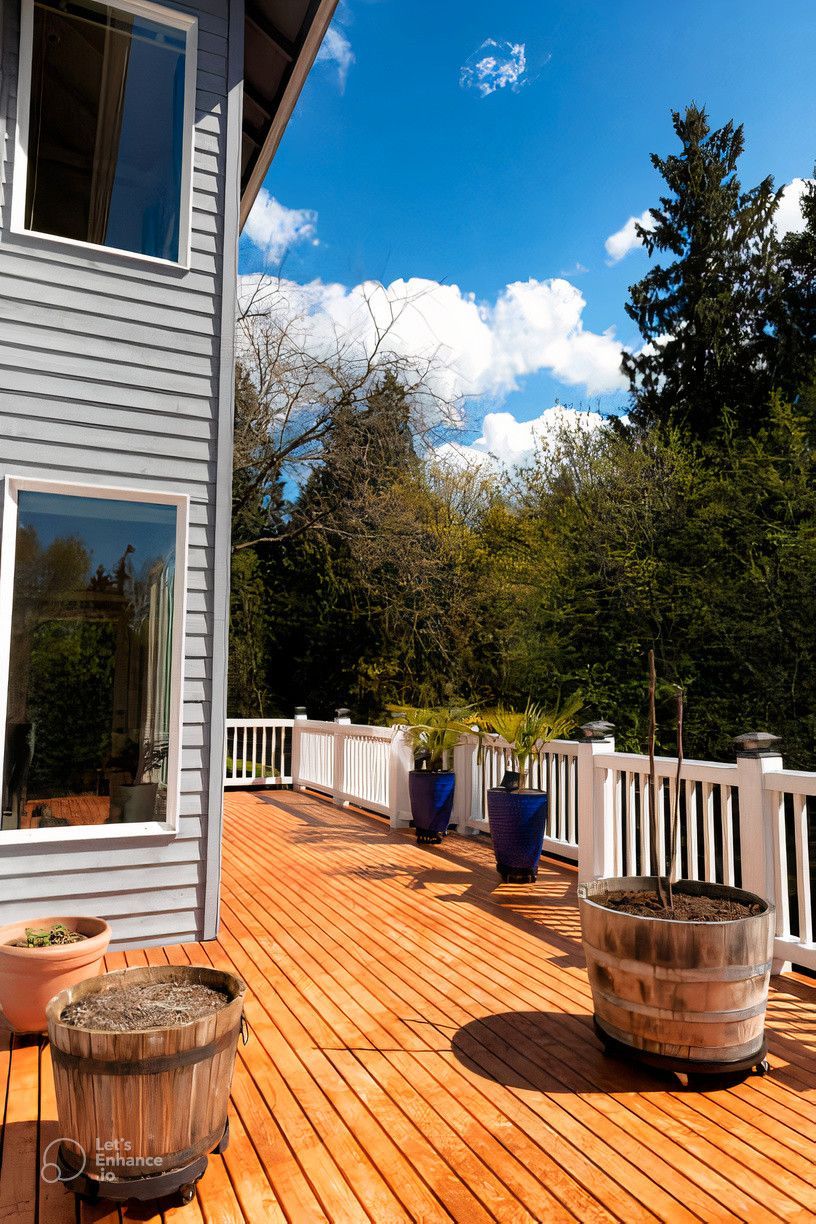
column 517, row 821
column 431, row 796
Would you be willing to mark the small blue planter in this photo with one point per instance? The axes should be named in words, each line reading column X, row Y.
column 517, row 820
column 431, row 802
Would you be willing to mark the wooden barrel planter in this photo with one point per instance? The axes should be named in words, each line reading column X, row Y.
column 141, row 1110
column 687, row 996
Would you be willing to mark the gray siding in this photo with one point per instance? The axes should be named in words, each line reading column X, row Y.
column 116, row 372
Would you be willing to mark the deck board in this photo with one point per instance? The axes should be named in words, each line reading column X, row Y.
column 421, row 1048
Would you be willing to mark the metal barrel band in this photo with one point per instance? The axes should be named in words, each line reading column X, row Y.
column 171, row 1162
column 145, row 1066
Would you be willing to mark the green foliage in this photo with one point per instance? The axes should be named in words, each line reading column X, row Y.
column 691, row 532
column 705, row 315
column 50, row 937
column 433, row 732
column 526, row 730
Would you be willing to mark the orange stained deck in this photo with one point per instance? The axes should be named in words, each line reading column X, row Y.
column 421, row 1048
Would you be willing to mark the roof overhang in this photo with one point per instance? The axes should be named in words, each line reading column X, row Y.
column 281, row 40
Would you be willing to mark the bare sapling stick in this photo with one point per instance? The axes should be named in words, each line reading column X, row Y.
column 675, row 820
column 654, row 815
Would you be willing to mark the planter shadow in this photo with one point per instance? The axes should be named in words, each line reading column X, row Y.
column 555, row 1053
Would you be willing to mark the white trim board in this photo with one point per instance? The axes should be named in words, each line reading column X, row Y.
column 162, row 16
column 14, row 485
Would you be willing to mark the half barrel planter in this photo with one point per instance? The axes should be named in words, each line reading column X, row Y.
column 685, row 996
column 156, row 1097
column 517, row 823
column 431, row 794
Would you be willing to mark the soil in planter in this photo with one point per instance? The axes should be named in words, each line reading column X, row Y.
column 152, row 1005
column 687, row 907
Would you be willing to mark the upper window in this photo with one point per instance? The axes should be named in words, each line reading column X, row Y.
column 93, row 588
column 105, row 125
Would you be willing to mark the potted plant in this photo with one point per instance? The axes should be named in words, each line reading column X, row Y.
column 679, row 969
column 516, row 812
column 136, row 800
column 433, row 733
column 41, row 956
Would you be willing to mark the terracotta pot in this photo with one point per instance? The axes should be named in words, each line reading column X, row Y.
column 29, row 977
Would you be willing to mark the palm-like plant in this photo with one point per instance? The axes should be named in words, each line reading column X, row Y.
column 433, row 731
column 526, row 730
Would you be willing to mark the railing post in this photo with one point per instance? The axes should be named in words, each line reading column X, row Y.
column 401, row 763
column 339, row 763
column 596, row 846
column 758, row 754
column 465, row 769
column 295, row 766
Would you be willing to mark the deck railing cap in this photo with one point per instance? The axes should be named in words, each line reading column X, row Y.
column 757, row 744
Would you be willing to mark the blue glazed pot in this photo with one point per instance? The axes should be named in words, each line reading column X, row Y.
column 431, row 802
column 517, row 820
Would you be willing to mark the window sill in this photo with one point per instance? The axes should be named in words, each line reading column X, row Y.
column 91, row 250
column 151, row 829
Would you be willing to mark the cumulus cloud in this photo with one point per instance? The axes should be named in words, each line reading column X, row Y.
column 788, row 218
column 336, row 49
column 495, row 65
column 626, row 238
column 273, row 228
column 474, row 348
column 507, row 443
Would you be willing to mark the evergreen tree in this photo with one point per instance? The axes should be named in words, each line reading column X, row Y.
column 706, row 314
column 796, row 323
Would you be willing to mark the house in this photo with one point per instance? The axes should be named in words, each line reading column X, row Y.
column 134, row 138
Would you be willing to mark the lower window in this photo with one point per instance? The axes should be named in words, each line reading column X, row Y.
column 95, row 584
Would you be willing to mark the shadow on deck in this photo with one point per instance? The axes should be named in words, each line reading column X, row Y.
column 422, row 1048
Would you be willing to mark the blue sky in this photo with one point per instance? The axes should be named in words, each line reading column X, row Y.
column 411, row 173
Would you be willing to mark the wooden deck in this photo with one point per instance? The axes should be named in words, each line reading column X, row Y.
column 421, row 1048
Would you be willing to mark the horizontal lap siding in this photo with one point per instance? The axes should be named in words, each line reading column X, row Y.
column 109, row 374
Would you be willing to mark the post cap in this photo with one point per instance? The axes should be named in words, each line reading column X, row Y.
column 342, row 715
column 300, row 712
column 757, row 744
column 592, row 732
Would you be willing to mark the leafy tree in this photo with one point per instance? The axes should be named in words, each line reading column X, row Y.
column 705, row 315
column 796, row 320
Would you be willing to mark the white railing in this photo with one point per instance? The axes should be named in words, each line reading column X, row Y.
column 750, row 824
column 259, row 752
column 359, row 765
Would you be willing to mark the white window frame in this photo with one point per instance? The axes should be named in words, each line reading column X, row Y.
column 14, row 485
column 138, row 8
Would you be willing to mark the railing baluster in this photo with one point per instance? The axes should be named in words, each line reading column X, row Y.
column 709, row 858
column 800, row 826
column 727, row 819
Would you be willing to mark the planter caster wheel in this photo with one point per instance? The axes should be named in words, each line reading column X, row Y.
column 187, row 1192
column 762, row 1068
column 517, row 875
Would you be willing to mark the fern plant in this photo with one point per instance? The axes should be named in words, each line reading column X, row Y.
column 526, row 730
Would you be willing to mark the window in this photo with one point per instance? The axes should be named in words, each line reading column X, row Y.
column 92, row 592
column 104, row 138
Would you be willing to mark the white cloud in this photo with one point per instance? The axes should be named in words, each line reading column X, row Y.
column 495, row 65
column 626, row 238
column 475, row 348
column 788, row 218
column 336, row 49
column 274, row 228
column 507, row 443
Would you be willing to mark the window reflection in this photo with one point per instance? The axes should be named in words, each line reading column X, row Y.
column 90, row 670
column 106, row 128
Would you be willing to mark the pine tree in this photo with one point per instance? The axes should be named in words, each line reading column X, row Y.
column 705, row 316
